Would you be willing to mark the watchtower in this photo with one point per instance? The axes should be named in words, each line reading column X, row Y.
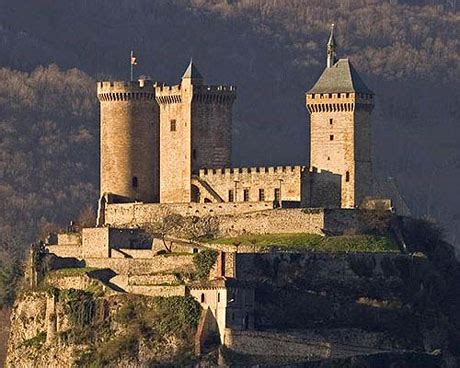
column 129, row 140
column 340, row 106
column 195, row 132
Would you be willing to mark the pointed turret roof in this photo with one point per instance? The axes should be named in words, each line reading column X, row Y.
column 192, row 72
column 332, row 42
column 342, row 77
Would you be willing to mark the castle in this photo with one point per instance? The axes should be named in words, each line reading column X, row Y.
column 172, row 144
column 166, row 150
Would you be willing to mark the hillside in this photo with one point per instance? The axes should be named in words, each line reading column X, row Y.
column 408, row 51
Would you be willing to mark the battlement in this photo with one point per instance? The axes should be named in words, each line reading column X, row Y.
column 206, row 173
column 338, row 102
column 206, row 94
column 215, row 89
column 125, row 90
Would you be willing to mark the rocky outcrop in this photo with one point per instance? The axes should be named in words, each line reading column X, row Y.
column 65, row 328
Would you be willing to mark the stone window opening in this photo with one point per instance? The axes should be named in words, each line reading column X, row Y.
column 331, row 137
column 202, row 298
column 246, row 195
column 135, row 182
column 173, row 125
column 331, row 121
column 218, row 297
column 231, row 197
column 261, row 195
column 347, row 176
column 277, row 194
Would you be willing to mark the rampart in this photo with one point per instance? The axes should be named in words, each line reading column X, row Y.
column 308, row 344
column 134, row 214
column 243, row 217
column 255, row 183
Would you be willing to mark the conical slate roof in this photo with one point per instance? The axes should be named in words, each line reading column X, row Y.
column 192, row 72
column 342, row 77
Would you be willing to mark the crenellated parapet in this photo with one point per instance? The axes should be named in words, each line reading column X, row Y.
column 339, row 102
column 221, row 94
column 208, row 173
column 125, row 91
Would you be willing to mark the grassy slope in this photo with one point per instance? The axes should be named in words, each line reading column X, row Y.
column 350, row 243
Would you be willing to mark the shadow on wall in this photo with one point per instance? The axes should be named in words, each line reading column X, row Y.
column 325, row 189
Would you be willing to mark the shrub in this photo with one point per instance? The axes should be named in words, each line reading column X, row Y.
column 203, row 262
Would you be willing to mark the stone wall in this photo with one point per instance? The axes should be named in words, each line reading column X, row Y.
column 274, row 344
column 66, row 251
column 135, row 214
column 170, row 263
column 259, row 183
column 98, row 241
column 309, row 344
column 243, row 217
column 274, row 221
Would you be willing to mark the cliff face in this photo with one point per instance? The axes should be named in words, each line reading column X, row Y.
column 65, row 328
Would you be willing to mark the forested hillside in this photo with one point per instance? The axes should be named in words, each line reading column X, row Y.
column 273, row 50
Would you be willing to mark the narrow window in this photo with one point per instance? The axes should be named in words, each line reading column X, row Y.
column 347, row 176
column 277, row 194
column 135, row 182
column 331, row 121
column 218, row 297
column 233, row 316
column 173, row 125
column 230, row 196
column 261, row 195
column 202, row 298
column 246, row 195
column 331, row 137
column 194, row 154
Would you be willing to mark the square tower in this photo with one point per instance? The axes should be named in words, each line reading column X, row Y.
column 195, row 133
column 340, row 106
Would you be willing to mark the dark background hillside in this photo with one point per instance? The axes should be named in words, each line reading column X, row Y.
column 273, row 50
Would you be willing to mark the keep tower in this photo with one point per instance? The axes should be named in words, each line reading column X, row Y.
column 129, row 141
column 195, row 133
column 340, row 106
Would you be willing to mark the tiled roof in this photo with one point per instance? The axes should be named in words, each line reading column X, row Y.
column 340, row 78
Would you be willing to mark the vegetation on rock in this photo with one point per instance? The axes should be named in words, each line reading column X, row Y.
column 203, row 262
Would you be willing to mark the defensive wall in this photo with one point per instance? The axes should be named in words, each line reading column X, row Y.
column 255, row 183
column 306, row 344
column 242, row 217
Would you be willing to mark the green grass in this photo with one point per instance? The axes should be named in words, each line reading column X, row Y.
column 310, row 242
column 66, row 272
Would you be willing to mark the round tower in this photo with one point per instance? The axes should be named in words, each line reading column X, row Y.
column 129, row 141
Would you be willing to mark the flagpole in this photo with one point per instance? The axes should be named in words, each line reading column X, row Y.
column 132, row 65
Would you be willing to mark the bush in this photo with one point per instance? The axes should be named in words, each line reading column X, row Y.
column 203, row 262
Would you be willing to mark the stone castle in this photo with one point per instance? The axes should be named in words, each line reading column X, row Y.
column 166, row 150
column 172, row 144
